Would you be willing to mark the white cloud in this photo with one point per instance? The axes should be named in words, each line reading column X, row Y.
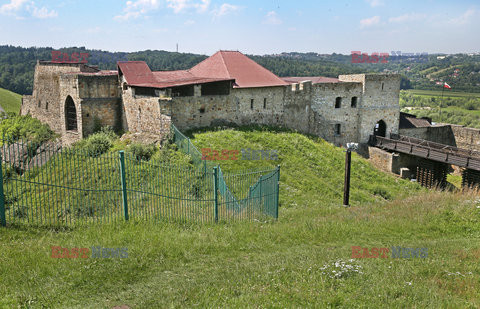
column 181, row 5
column 12, row 7
column 375, row 3
column 225, row 9
column 43, row 13
column 367, row 22
column 272, row 19
column 407, row 17
column 189, row 22
column 16, row 7
column 135, row 9
column 464, row 18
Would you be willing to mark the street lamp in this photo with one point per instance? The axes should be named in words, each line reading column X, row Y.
column 348, row 158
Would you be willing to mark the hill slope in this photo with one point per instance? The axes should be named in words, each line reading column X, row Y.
column 312, row 170
column 302, row 260
column 10, row 101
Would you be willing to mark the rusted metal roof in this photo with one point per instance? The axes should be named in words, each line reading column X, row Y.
column 137, row 73
column 408, row 121
column 235, row 65
column 314, row 79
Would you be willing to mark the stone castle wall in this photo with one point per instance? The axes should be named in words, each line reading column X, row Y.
column 305, row 107
column 379, row 102
column 144, row 114
column 96, row 99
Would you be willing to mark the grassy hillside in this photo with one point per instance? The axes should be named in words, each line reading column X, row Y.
column 311, row 169
column 10, row 101
column 302, row 260
column 446, row 93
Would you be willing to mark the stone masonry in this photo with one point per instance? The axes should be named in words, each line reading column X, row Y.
column 344, row 111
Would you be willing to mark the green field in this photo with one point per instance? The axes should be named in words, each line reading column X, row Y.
column 446, row 93
column 302, row 260
column 10, row 101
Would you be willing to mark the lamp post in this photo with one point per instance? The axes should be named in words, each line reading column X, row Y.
column 348, row 158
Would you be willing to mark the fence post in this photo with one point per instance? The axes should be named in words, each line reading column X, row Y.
column 260, row 195
column 3, row 221
column 278, row 191
column 215, row 189
column 124, row 183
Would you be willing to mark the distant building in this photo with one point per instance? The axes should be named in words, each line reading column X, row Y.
column 226, row 88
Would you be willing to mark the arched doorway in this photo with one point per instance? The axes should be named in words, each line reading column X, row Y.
column 70, row 114
column 380, row 129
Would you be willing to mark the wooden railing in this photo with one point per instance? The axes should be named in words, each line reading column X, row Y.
column 429, row 150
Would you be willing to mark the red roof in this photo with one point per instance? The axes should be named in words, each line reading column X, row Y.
column 314, row 79
column 235, row 65
column 137, row 73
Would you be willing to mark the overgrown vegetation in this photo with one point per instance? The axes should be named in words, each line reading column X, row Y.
column 16, row 127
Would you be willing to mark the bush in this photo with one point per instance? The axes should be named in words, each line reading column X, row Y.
column 97, row 144
column 15, row 127
column 142, row 152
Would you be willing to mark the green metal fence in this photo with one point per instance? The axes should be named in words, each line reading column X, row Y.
column 48, row 185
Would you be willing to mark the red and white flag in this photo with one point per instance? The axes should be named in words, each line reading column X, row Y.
column 447, row 86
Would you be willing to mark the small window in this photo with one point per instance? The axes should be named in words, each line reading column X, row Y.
column 354, row 102
column 264, row 103
column 382, row 86
column 88, row 115
column 125, row 87
column 202, row 110
column 251, row 104
column 46, row 106
column 338, row 102
column 39, row 104
column 337, row 129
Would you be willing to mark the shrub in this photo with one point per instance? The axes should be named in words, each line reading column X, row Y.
column 16, row 127
column 142, row 152
column 97, row 144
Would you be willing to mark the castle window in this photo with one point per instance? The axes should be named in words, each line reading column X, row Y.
column 264, row 103
column 251, row 104
column 354, row 102
column 125, row 87
column 382, row 86
column 338, row 102
column 337, row 129
column 70, row 114
column 39, row 103
column 46, row 106
column 202, row 109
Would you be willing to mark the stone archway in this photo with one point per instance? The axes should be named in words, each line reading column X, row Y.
column 70, row 115
column 380, row 129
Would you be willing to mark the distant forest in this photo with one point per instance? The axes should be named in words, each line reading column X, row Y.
column 462, row 72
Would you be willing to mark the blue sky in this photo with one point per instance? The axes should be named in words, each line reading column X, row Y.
column 253, row 27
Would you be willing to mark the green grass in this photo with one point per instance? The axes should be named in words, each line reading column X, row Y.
column 10, row 101
column 265, row 264
column 446, row 93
